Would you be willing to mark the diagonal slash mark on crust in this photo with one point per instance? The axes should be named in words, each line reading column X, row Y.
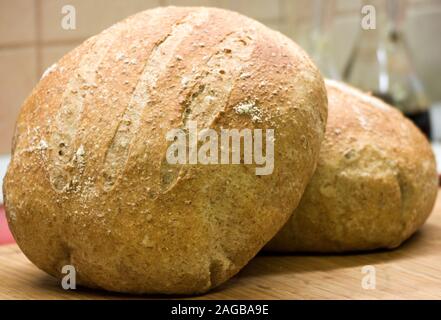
column 68, row 117
column 212, row 94
column 118, row 151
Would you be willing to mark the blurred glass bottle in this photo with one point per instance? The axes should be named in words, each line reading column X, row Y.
column 318, row 43
column 381, row 63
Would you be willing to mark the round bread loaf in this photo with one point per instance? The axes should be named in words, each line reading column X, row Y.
column 375, row 183
column 90, row 185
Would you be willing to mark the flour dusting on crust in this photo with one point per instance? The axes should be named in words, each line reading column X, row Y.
column 250, row 108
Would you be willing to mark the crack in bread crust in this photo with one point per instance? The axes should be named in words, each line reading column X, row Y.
column 62, row 152
column 212, row 93
column 162, row 54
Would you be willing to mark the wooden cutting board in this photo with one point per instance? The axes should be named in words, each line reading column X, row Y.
column 412, row 271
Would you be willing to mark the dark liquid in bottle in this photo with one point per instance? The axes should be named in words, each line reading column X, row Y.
column 421, row 119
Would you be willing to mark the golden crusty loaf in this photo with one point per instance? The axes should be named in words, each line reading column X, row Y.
column 89, row 184
column 375, row 182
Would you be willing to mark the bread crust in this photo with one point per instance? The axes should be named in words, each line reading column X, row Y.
column 375, row 183
column 88, row 184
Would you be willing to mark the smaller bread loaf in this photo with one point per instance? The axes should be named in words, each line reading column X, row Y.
column 375, row 182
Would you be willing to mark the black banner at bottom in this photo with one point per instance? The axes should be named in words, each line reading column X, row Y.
column 226, row 309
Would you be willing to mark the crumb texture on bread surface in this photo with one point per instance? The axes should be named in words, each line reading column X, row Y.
column 375, row 183
column 89, row 186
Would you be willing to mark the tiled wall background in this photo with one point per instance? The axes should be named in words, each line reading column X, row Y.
column 31, row 37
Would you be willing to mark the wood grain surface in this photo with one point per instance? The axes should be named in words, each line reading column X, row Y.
column 412, row 271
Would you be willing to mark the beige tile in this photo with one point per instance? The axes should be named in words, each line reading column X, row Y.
column 17, row 79
column 297, row 10
column 303, row 11
column 262, row 10
column 17, row 24
column 50, row 54
column 423, row 2
column 199, row 3
column 348, row 6
column 91, row 16
column 422, row 32
column 344, row 33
